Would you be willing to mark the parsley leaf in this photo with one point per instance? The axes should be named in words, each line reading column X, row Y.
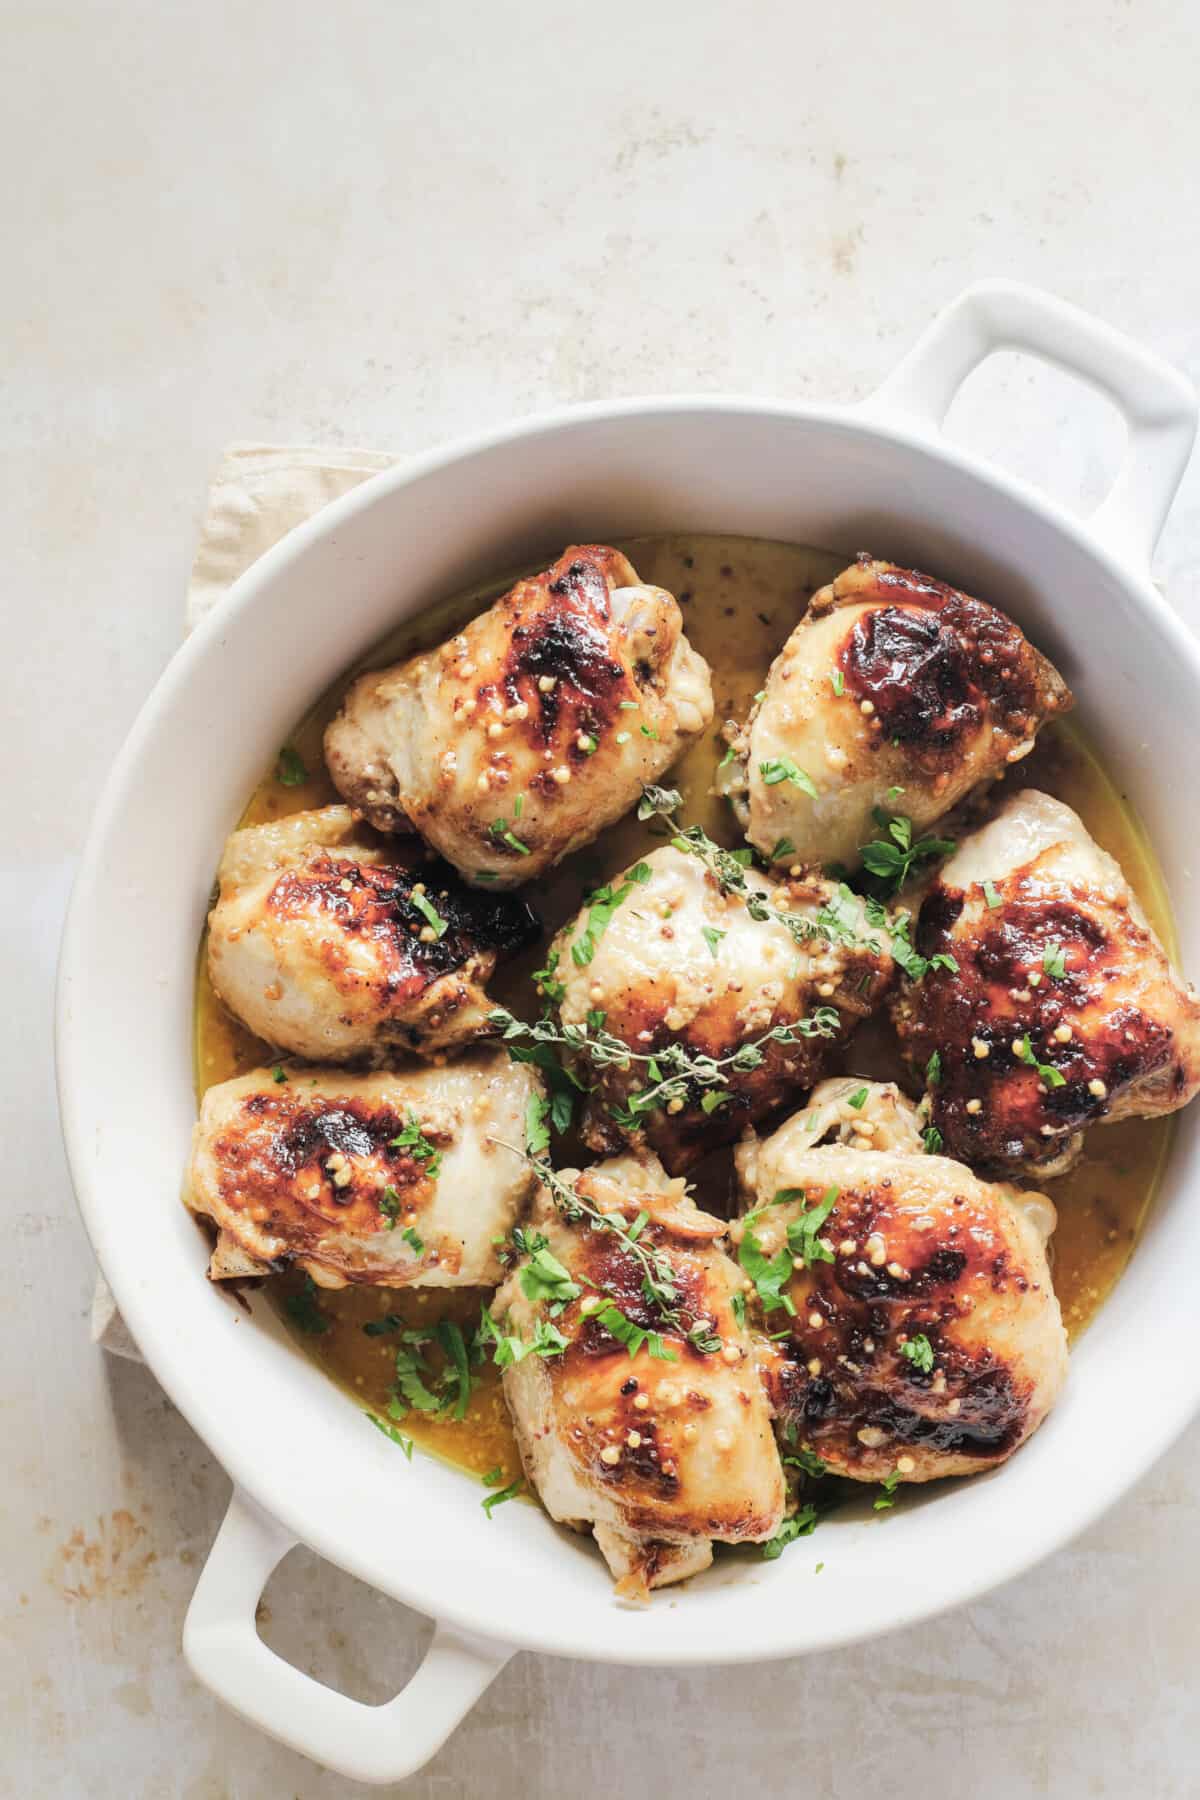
column 919, row 1352
column 278, row 1073
column 633, row 1336
column 602, row 904
column 887, row 1498
column 809, row 1463
column 802, row 1232
column 302, row 1309
column 768, row 1274
column 802, row 1523
column 545, row 1278
column 415, row 1243
column 290, row 770
column 893, row 857
column 784, row 847
column 782, row 768
column 933, row 1140
column 859, row 1100
column 430, row 914
column 991, row 895
column 413, row 1139
column 389, row 1431
column 1052, row 1077
column 933, row 1069
column 837, row 681
column 501, row 1495
column 712, row 938
column 1054, row 962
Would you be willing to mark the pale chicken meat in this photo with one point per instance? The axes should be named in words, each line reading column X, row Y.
column 332, row 944
column 521, row 738
column 393, row 1178
column 1063, row 1010
column 894, row 694
column 647, row 1422
column 690, row 960
column 921, row 1334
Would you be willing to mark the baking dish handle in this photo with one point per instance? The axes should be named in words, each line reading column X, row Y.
column 1157, row 402
column 375, row 1744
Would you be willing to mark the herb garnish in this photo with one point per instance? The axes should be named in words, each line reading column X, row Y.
column 429, row 913
column 919, row 1352
column 389, row 1431
column 1053, row 1078
column 302, row 1309
column 503, row 1494
column 991, row 895
column 278, row 1072
column 290, row 770
column 933, row 1069
column 501, row 830
column 413, row 1139
column 837, row 681
column 602, row 903
column 803, row 1523
column 782, row 768
column 933, row 1140
column 892, row 858
column 887, row 1498
column 712, row 938
column 1054, row 962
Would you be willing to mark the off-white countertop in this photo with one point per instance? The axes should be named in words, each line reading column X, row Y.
column 383, row 224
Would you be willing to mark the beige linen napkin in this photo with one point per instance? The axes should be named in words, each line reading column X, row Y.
column 259, row 493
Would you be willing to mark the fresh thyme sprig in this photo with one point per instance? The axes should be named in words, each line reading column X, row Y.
column 659, row 1284
column 836, row 922
column 670, row 1069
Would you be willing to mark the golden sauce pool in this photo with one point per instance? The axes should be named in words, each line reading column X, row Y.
column 740, row 597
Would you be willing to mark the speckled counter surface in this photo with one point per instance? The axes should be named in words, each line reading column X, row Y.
column 383, row 224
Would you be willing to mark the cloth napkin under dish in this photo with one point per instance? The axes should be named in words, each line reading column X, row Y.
column 260, row 492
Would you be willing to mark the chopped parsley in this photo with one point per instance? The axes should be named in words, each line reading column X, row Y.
column 803, row 1523
column 537, row 1129
column 389, row 1207
column 1054, row 962
column 588, row 744
column 809, row 1463
column 887, row 1498
column 602, row 904
column 727, row 758
column 290, row 770
column 893, row 857
column 415, row 1243
column 389, row 1431
column 837, row 681
column 933, row 1140
column 430, row 914
column 302, row 1309
column 769, row 1274
column 991, row 894
column 933, row 1069
column 802, row 1232
column 782, row 768
column 413, row 1139
column 784, row 847
column 278, row 1072
column 633, row 1336
column 494, row 1477
column 712, row 938
column 503, row 833
column 737, row 1306
column 1052, row 1077
column 709, row 1102
column 497, row 1499
column 919, row 1352
column 648, row 731
column 545, row 1278
column 859, row 1100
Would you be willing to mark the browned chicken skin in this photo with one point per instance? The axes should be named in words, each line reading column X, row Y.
column 925, row 1339
column 1057, row 970
column 520, row 739
column 662, row 1450
column 339, row 946
column 681, row 962
column 891, row 683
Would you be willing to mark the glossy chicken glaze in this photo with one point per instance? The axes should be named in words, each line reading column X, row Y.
column 740, row 599
column 1063, row 1011
column 321, row 940
column 914, row 1254
column 895, row 691
column 524, row 734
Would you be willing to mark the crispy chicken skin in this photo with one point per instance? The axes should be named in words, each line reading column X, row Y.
column 926, row 1339
column 658, row 1457
column 306, row 1171
column 659, row 980
column 520, row 739
column 1058, row 969
column 317, row 942
column 892, row 680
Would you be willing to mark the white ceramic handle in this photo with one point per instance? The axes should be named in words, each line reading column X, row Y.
column 1158, row 403
column 374, row 1744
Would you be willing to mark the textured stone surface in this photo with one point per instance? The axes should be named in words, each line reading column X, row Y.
column 383, row 224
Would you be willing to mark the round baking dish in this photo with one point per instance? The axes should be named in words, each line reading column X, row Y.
column 305, row 1465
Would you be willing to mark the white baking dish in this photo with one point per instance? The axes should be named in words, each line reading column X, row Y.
column 305, row 1464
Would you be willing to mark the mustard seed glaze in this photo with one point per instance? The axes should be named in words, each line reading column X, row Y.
column 740, row 598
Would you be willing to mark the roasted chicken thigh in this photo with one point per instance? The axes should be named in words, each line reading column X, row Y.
column 923, row 1335
column 390, row 1178
column 1063, row 1009
column 681, row 959
column 892, row 683
column 520, row 739
column 650, row 1426
column 332, row 946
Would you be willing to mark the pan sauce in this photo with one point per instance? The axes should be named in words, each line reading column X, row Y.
column 741, row 598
